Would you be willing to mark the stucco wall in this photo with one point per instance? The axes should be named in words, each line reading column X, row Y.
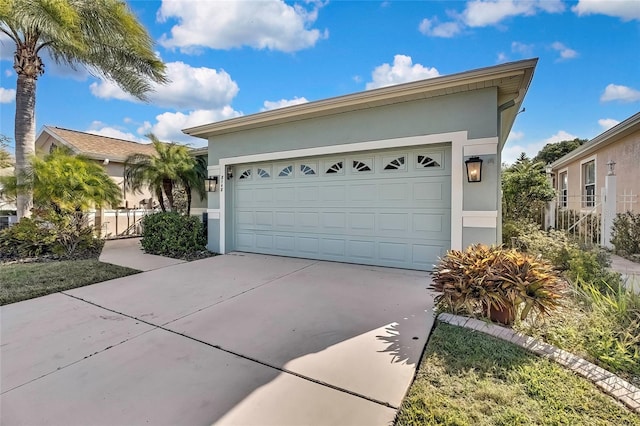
column 474, row 112
column 626, row 154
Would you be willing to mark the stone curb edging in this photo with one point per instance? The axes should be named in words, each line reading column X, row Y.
column 611, row 384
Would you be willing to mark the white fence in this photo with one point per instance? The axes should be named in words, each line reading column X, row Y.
column 119, row 222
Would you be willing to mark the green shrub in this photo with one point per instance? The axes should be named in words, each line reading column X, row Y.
column 50, row 234
column 591, row 266
column 171, row 234
column 31, row 237
column 485, row 280
column 528, row 237
column 626, row 233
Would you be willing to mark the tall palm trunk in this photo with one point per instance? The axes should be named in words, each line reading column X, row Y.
column 167, row 186
column 25, row 137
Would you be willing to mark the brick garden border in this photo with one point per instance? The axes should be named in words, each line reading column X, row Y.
column 611, row 384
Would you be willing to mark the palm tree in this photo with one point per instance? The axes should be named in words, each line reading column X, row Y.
column 65, row 183
column 172, row 165
column 102, row 35
column 193, row 180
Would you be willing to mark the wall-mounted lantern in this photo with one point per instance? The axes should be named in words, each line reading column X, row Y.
column 474, row 169
column 229, row 172
column 211, row 183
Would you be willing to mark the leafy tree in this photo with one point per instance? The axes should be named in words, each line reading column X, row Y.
column 65, row 183
column 525, row 190
column 5, row 157
column 172, row 167
column 102, row 35
column 553, row 151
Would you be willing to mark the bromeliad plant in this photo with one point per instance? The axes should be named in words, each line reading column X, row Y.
column 496, row 282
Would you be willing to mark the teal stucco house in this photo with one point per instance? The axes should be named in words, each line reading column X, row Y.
column 378, row 177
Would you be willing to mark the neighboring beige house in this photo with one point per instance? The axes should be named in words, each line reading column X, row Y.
column 579, row 176
column 111, row 153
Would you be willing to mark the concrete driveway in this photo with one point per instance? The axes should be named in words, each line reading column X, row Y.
column 240, row 339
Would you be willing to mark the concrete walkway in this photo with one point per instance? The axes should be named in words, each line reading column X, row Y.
column 630, row 271
column 238, row 339
column 128, row 252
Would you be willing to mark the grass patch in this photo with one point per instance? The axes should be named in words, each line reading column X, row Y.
column 22, row 281
column 469, row 378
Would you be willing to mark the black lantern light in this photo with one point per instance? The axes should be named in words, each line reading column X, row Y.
column 474, row 169
column 211, row 183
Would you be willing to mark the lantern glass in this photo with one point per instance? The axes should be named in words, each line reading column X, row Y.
column 474, row 169
column 211, row 184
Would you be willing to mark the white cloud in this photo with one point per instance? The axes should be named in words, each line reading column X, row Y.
column 7, row 95
column 272, row 24
column 189, row 88
column 626, row 10
column 169, row 125
column 482, row 13
column 615, row 92
column 607, row 123
column 7, row 47
column 8, row 73
column 565, row 52
column 511, row 152
column 432, row 27
column 521, row 48
column 403, row 70
column 112, row 132
column 269, row 105
column 502, row 57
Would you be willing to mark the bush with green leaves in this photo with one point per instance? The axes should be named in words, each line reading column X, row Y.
column 528, row 237
column 49, row 234
column 172, row 234
column 626, row 233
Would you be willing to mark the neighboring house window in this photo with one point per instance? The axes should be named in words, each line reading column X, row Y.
column 564, row 185
column 52, row 148
column 589, row 181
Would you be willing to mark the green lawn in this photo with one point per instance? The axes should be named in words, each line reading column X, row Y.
column 469, row 378
column 23, row 281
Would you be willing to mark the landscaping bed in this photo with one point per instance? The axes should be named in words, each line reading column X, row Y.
column 469, row 378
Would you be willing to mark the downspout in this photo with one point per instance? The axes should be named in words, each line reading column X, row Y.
column 502, row 108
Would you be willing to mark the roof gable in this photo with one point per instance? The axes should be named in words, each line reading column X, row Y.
column 96, row 146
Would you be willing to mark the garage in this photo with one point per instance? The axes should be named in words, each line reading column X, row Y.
column 393, row 176
column 387, row 208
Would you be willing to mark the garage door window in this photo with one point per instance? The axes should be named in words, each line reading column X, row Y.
column 263, row 173
column 246, row 174
column 307, row 169
column 362, row 165
column 335, row 169
column 397, row 163
column 286, row 171
column 424, row 161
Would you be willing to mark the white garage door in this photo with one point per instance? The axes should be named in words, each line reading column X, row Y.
column 386, row 208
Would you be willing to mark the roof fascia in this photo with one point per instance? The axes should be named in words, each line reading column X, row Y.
column 366, row 99
column 605, row 138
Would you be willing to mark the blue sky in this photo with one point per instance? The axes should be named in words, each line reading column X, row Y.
column 227, row 59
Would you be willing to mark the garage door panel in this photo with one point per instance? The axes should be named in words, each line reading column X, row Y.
column 397, row 217
column 334, row 247
column 308, row 219
column 362, row 222
column 361, row 249
column 308, row 245
column 285, row 219
column 393, row 252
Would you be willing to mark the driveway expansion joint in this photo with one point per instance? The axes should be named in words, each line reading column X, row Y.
column 220, row 348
